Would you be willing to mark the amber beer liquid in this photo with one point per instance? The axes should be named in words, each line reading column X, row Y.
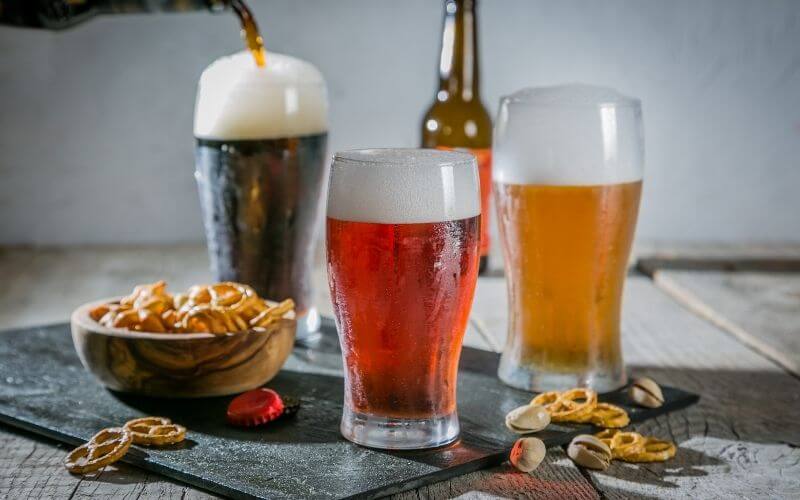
column 567, row 184
column 402, row 255
column 406, row 292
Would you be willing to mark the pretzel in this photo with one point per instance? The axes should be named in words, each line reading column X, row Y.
column 249, row 305
column 655, row 450
column 220, row 308
column 156, row 305
column 127, row 318
column 546, row 399
column 566, row 406
column 228, row 297
column 105, row 447
column 98, row 312
column 107, row 313
column 609, row 416
column 178, row 300
column 626, row 444
column 606, row 435
column 574, row 405
column 169, row 318
column 226, row 294
column 150, row 321
column 633, row 447
column 580, row 405
column 205, row 318
column 267, row 316
column 155, row 431
column 143, row 294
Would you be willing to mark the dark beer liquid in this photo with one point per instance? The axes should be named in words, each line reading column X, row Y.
column 260, row 201
column 252, row 38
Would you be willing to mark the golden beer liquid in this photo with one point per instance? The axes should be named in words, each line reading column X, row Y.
column 566, row 253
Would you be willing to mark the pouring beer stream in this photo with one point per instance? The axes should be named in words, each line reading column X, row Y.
column 252, row 37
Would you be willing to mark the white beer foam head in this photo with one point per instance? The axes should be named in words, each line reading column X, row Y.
column 568, row 135
column 394, row 186
column 238, row 100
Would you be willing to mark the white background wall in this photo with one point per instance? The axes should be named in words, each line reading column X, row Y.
column 96, row 123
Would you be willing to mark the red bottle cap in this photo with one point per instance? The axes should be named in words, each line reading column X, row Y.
column 255, row 407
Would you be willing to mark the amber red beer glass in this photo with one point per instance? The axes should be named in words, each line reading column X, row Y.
column 403, row 230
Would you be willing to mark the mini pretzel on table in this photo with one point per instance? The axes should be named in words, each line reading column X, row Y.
column 580, row 405
column 633, row 447
column 655, row 450
column 155, row 431
column 575, row 405
column 609, row 416
column 105, row 448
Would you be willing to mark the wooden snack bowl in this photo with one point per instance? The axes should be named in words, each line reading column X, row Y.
column 180, row 365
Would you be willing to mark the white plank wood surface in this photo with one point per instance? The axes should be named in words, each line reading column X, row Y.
column 741, row 440
column 670, row 250
column 743, row 436
column 760, row 309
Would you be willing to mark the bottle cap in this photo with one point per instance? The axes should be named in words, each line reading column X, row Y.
column 256, row 407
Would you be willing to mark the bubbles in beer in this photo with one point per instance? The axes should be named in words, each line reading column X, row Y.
column 395, row 186
column 568, row 135
column 237, row 101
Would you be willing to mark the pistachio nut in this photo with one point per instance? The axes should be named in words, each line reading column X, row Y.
column 528, row 418
column 590, row 452
column 645, row 392
column 527, row 453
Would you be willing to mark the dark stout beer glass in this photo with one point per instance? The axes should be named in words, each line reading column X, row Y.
column 403, row 231
column 260, row 167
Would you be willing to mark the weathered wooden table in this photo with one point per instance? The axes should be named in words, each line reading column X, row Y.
column 722, row 322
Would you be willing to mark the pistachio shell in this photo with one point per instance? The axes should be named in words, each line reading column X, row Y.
column 590, row 452
column 646, row 392
column 528, row 418
column 527, row 453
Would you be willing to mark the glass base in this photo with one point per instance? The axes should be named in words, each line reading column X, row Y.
column 530, row 378
column 399, row 433
column 308, row 325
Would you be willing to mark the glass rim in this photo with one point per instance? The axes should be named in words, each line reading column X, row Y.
column 405, row 157
column 275, row 84
column 520, row 98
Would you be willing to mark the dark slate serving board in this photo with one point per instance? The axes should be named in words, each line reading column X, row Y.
column 44, row 389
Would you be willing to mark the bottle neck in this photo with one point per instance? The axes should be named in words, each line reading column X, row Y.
column 133, row 6
column 62, row 14
column 458, row 63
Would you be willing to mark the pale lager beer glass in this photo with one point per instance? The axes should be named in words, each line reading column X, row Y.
column 567, row 179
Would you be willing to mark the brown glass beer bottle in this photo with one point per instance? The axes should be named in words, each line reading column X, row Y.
column 457, row 119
